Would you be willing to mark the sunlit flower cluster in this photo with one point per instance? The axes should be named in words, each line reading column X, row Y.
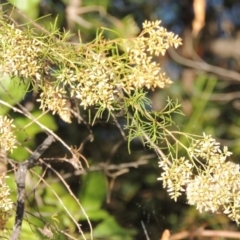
column 217, row 189
column 7, row 138
column 210, row 182
column 208, row 149
column 19, row 54
column 145, row 72
column 97, row 87
column 159, row 39
column 153, row 40
column 176, row 176
column 6, row 204
column 54, row 99
column 92, row 85
column 98, row 80
column 93, row 76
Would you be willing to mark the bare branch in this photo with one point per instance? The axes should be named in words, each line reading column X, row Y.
column 205, row 233
column 20, row 176
column 228, row 74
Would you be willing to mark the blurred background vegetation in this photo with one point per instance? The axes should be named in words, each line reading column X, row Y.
column 132, row 204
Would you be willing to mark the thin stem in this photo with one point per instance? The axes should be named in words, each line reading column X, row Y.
column 20, row 176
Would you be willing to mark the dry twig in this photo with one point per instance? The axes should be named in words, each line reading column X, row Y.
column 228, row 74
column 20, row 176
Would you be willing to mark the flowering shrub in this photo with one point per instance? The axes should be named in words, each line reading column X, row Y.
column 111, row 75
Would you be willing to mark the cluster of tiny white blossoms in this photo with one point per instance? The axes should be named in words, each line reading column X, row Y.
column 213, row 185
column 7, row 138
column 19, row 54
column 6, row 204
column 93, row 84
column 92, row 75
column 153, row 40
column 98, row 83
column 53, row 98
column 176, row 176
column 146, row 73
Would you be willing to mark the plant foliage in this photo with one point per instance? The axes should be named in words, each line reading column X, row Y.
column 113, row 76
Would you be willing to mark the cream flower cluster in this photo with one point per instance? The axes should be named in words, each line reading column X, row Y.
column 53, row 98
column 6, row 204
column 19, row 54
column 211, row 183
column 7, row 138
column 92, row 74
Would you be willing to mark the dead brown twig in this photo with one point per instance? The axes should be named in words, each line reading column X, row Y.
column 201, row 65
column 200, row 232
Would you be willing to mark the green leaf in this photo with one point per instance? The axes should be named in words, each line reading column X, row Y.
column 12, row 91
column 93, row 191
column 103, row 3
column 30, row 7
column 111, row 230
column 96, row 215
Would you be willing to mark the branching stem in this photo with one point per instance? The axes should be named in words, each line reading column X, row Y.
column 20, row 176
